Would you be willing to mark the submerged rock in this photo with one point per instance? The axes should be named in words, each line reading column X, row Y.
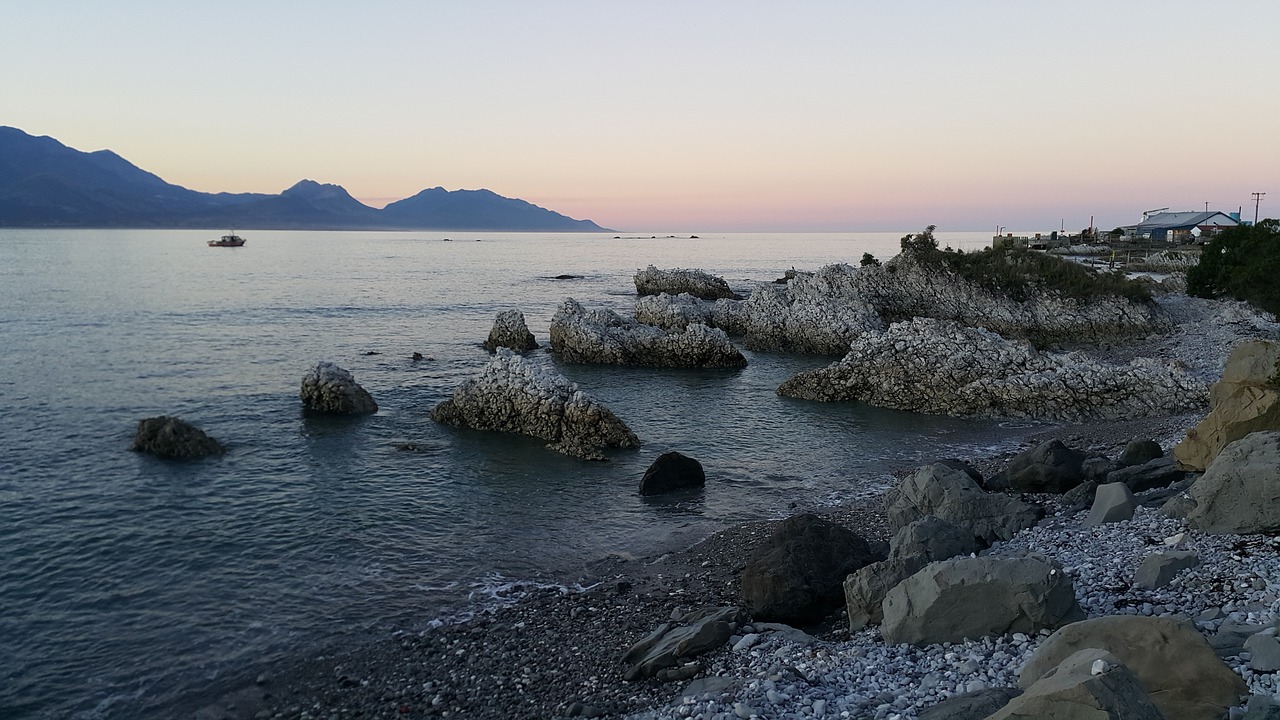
column 605, row 337
column 328, row 388
column 174, row 438
column 652, row 281
column 512, row 394
column 509, row 331
column 941, row 367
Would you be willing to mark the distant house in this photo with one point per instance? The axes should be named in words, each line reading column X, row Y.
column 1180, row 227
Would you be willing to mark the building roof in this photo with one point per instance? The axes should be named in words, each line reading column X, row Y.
column 1179, row 220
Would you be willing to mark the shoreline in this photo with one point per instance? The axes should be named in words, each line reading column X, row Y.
column 557, row 653
column 553, row 647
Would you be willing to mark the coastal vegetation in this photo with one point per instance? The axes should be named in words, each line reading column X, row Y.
column 1020, row 272
column 1241, row 262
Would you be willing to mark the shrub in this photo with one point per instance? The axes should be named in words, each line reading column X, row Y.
column 1242, row 262
column 869, row 259
column 1019, row 272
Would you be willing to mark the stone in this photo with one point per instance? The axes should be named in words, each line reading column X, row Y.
column 796, row 575
column 932, row 538
column 952, row 495
column 971, row 706
column 705, row 286
column 672, row 471
column 1050, row 467
column 1179, row 506
column 1244, row 401
column 713, row 685
column 866, row 587
column 1081, row 496
column 944, row 368
column 974, row 597
column 1231, row 636
column 327, row 388
column 667, row 647
column 1097, row 467
column 1264, row 651
column 604, row 337
column 1113, row 502
column 1074, row 691
column 1140, row 452
column 1157, row 473
column 515, row 394
column 1158, row 569
column 174, row 439
column 1240, row 491
column 509, row 331
column 1173, row 662
column 1262, row 707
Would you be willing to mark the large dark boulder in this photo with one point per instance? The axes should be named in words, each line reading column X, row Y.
column 174, row 438
column 1049, row 467
column 1240, row 492
column 672, row 471
column 1155, row 473
column 796, row 576
column 952, row 495
column 1138, row 452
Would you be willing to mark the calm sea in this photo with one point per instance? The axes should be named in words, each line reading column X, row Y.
column 127, row 581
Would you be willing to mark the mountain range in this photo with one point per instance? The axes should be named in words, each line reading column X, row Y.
column 44, row 183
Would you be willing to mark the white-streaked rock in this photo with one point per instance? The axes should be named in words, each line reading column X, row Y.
column 328, row 388
column 602, row 336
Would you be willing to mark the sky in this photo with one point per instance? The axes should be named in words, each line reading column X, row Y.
column 690, row 116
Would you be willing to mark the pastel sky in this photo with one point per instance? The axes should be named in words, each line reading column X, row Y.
column 737, row 115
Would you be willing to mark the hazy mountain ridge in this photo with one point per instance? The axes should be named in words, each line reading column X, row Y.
column 44, row 183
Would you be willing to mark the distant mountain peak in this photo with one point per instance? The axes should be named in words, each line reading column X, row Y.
column 44, row 183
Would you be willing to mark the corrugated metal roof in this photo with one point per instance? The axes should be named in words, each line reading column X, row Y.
column 1173, row 220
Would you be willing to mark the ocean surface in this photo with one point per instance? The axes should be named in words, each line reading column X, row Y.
column 127, row 582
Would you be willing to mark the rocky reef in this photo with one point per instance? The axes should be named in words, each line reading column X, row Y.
column 940, row 367
column 652, row 281
column 327, row 388
column 514, row 394
column 604, row 337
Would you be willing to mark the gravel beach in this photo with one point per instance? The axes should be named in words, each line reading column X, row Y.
column 554, row 651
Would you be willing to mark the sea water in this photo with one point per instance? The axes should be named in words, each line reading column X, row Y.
column 127, row 581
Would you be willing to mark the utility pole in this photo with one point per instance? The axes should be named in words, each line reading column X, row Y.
column 1257, row 199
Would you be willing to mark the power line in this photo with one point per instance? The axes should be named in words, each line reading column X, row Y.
column 1257, row 198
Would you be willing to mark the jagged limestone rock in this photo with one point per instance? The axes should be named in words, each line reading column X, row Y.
column 604, row 337
column 509, row 331
column 652, row 281
column 941, row 367
column 513, row 394
column 328, row 388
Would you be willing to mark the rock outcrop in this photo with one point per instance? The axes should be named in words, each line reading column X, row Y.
column 1240, row 492
column 509, row 331
column 951, row 494
column 512, row 394
column 940, row 367
column 974, row 597
column 1175, row 664
column 796, row 575
column 1245, row 400
column 675, row 312
column 174, row 438
column 604, row 337
column 907, row 287
column 652, row 281
column 672, row 471
column 327, row 388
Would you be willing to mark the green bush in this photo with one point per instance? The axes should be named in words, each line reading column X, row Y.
column 1020, row 272
column 1242, row 262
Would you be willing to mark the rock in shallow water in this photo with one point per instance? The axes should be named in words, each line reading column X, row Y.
column 328, row 388
column 604, row 337
column 513, row 394
column 174, row 438
column 509, row 331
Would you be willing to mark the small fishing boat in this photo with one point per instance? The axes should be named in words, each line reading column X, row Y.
column 231, row 240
